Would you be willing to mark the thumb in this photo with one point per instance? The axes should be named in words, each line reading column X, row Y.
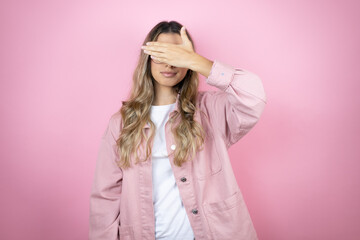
column 184, row 37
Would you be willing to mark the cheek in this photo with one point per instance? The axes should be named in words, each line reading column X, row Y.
column 154, row 70
column 183, row 73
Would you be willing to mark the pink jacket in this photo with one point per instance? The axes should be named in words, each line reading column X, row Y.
column 121, row 204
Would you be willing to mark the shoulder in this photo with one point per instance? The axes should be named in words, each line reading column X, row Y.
column 115, row 122
column 115, row 116
column 204, row 95
column 205, row 99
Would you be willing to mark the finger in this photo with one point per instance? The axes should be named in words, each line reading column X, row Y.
column 184, row 36
column 163, row 60
column 157, row 44
column 185, row 39
column 154, row 48
column 154, row 54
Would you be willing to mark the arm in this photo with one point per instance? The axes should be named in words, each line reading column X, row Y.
column 106, row 189
column 201, row 64
column 237, row 107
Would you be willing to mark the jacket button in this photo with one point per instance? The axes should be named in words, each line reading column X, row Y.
column 183, row 179
column 194, row 211
column 173, row 147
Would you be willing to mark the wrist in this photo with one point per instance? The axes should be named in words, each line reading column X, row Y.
column 201, row 64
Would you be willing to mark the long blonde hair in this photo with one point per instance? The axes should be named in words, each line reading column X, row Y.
column 135, row 112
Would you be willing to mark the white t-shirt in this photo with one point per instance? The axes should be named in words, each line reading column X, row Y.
column 171, row 220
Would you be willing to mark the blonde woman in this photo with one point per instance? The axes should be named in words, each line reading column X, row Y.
column 163, row 169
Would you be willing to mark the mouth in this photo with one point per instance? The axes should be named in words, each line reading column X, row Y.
column 168, row 74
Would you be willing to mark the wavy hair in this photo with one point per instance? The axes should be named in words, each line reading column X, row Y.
column 135, row 112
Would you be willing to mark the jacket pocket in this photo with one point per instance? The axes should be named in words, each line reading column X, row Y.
column 126, row 233
column 230, row 219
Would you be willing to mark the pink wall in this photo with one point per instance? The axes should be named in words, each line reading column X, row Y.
column 66, row 66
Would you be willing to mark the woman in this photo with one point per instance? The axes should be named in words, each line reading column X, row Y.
column 163, row 169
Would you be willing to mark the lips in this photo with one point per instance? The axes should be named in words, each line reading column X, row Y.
column 168, row 74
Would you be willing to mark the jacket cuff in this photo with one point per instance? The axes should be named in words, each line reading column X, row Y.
column 220, row 75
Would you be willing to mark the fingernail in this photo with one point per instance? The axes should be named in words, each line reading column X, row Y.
column 147, row 43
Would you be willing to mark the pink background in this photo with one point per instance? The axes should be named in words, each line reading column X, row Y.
column 66, row 66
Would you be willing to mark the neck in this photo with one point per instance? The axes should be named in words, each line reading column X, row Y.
column 164, row 96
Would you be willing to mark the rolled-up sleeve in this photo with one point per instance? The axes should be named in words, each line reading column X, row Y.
column 237, row 107
column 106, row 188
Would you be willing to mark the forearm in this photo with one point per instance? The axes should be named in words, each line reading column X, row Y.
column 201, row 65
